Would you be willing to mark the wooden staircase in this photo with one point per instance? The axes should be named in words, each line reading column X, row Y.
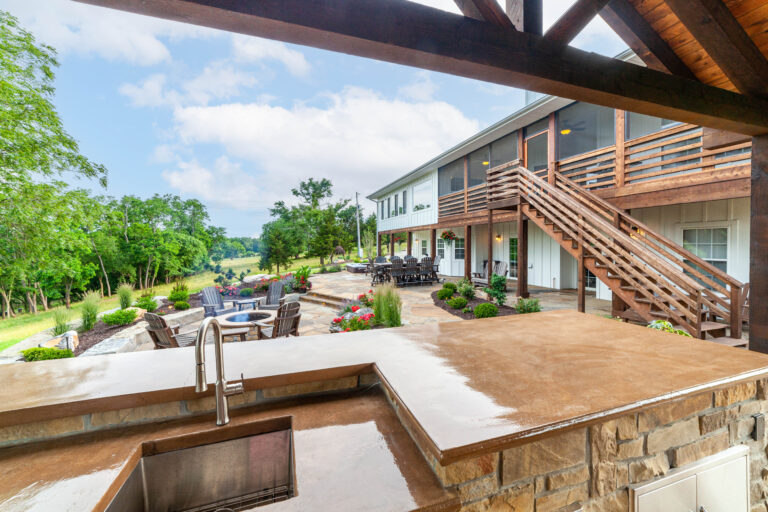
column 653, row 278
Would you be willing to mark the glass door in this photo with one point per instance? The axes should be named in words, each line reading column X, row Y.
column 536, row 153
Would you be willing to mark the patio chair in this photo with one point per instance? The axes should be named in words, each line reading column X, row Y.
column 164, row 336
column 286, row 323
column 213, row 304
column 395, row 258
column 425, row 270
column 397, row 272
column 499, row 269
column 380, row 259
column 275, row 296
column 484, row 271
column 436, row 269
column 379, row 275
column 411, row 273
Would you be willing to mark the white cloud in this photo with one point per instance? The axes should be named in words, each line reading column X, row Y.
column 148, row 93
column 225, row 185
column 360, row 139
column 251, row 50
column 71, row 27
column 421, row 89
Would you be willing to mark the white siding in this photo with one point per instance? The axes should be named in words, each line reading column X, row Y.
column 507, row 230
column 410, row 218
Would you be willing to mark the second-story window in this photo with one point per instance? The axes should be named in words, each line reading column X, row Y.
column 450, row 177
column 640, row 124
column 404, row 207
column 397, row 196
column 479, row 162
column 422, row 196
column 504, row 150
column 583, row 127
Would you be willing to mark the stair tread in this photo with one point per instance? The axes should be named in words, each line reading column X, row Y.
column 631, row 315
column 731, row 342
column 712, row 326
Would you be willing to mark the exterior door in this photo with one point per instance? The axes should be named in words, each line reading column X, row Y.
column 536, row 153
column 446, row 257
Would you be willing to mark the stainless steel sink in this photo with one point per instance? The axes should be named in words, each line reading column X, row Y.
column 229, row 475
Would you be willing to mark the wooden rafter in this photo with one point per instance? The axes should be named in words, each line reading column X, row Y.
column 573, row 21
column 622, row 17
column 408, row 33
column 485, row 10
column 724, row 39
column 526, row 15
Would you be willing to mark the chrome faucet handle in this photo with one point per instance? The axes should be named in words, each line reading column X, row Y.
column 233, row 388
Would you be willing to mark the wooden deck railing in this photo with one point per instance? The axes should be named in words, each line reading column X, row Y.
column 470, row 200
column 665, row 275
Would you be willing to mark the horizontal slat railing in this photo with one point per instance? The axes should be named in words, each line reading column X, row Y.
column 476, row 198
column 451, row 204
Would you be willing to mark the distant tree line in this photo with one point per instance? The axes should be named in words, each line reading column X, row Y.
column 313, row 228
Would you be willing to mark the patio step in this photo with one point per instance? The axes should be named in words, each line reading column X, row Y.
column 324, row 300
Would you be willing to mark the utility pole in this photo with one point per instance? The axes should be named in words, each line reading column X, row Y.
column 357, row 218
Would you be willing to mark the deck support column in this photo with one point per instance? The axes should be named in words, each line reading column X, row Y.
column 522, row 254
column 391, row 245
column 468, row 251
column 489, row 269
column 410, row 243
column 758, row 247
column 581, row 290
column 378, row 244
column 433, row 244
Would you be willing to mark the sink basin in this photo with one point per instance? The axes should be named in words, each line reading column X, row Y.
column 194, row 474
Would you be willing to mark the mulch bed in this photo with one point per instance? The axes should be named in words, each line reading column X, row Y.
column 100, row 332
column 195, row 301
column 503, row 310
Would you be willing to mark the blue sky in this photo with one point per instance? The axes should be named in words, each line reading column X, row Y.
column 237, row 121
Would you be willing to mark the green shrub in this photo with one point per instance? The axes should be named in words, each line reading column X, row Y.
column 387, row 306
column 89, row 310
column 60, row 321
column 180, row 286
column 466, row 289
column 444, row 293
column 125, row 295
column 496, row 290
column 178, row 295
column 486, row 310
column 181, row 305
column 663, row 325
column 120, row 317
column 457, row 302
column 246, row 292
column 148, row 292
column 450, row 286
column 466, row 310
column 43, row 353
column 147, row 303
column 527, row 305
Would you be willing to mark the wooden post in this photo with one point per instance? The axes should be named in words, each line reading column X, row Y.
column 378, row 244
column 620, row 149
column 522, row 254
column 551, row 145
column 581, row 284
column 466, row 185
column 433, row 244
column 489, row 270
column 468, row 251
column 391, row 245
column 410, row 243
column 758, row 247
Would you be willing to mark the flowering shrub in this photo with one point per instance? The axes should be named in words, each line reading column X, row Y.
column 366, row 299
column 302, row 278
column 360, row 323
column 227, row 291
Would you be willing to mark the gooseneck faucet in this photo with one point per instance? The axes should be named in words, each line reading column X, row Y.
column 223, row 388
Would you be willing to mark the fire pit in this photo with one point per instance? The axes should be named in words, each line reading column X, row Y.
column 242, row 319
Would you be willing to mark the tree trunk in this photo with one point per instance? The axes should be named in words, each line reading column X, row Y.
column 138, row 281
column 67, row 289
column 101, row 287
column 31, row 302
column 7, row 300
column 146, row 273
column 103, row 270
column 43, row 298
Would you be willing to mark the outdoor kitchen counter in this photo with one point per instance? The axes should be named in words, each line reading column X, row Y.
column 463, row 388
column 348, row 451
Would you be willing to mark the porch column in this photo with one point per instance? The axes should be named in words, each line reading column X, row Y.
column 433, row 243
column 522, row 254
column 378, row 244
column 489, row 270
column 410, row 243
column 581, row 291
column 391, row 245
column 468, row 251
column 551, row 153
column 758, row 247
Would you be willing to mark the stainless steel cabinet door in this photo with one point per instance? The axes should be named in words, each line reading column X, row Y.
column 723, row 488
column 679, row 496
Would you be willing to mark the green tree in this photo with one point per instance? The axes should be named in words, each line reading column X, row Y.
column 278, row 244
column 312, row 192
column 33, row 141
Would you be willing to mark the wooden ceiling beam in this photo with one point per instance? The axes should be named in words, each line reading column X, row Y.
column 716, row 29
column 526, row 15
column 629, row 25
column 416, row 35
column 573, row 21
column 485, row 10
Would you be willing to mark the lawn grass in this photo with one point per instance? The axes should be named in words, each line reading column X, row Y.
column 13, row 330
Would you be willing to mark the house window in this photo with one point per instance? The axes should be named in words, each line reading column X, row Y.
column 582, row 127
column 450, row 177
column 424, row 248
column 389, row 207
column 504, row 150
column 513, row 257
column 709, row 244
column 479, row 162
column 641, row 124
column 441, row 248
column 458, row 250
column 590, row 280
column 397, row 196
column 422, row 196
column 403, row 208
column 381, row 209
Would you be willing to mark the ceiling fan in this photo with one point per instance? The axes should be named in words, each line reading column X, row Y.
column 567, row 127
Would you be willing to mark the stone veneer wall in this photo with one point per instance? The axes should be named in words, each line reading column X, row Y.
column 73, row 425
column 592, row 467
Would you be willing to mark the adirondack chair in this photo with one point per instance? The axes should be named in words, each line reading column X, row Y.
column 499, row 269
column 425, row 269
column 275, row 296
column 286, row 323
column 380, row 259
column 164, row 336
column 436, row 268
column 213, row 304
column 484, row 271
column 397, row 271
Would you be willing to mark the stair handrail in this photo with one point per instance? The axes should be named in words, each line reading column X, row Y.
column 668, row 244
column 686, row 312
